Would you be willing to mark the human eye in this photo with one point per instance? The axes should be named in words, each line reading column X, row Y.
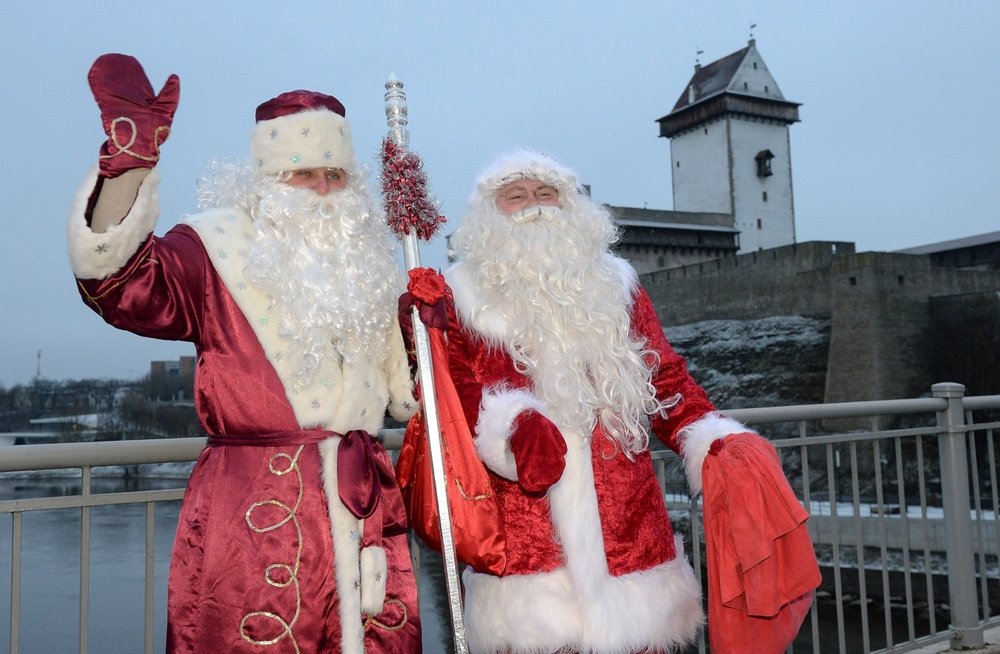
column 303, row 174
column 336, row 175
column 546, row 193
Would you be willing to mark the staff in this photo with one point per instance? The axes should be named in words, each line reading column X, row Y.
column 410, row 214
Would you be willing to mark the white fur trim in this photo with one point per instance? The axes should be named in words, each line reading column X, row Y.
column 344, row 398
column 581, row 605
column 524, row 164
column 697, row 438
column 345, row 530
column 488, row 323
column 317, row 138
column 402, row 404
column 96, row 256
column 374, row 569
column 628, row 275
column 658, row 609
column 497, row 412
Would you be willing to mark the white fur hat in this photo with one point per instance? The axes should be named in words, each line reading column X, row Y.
column 524, row 164
column 301, row 129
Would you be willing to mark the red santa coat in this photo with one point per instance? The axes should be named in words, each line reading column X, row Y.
column 267, row 558
column 593, row 564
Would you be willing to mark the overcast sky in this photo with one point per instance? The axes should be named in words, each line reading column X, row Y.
column 898, row 144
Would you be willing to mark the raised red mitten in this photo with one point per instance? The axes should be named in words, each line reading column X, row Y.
column 136, row 120
column 539, row 451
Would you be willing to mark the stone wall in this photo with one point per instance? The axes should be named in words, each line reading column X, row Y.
column 877, row 304
column 965, row 339
column 788, row 280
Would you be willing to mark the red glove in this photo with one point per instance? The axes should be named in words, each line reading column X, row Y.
column 426, row 291
column 136, row 121
column 539, row 451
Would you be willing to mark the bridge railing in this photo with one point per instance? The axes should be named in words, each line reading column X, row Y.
column 903, row 496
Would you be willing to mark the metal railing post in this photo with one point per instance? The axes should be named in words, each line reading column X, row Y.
column 958, row 518
column 15, row 583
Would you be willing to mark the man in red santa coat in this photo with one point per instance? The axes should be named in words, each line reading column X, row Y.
column 563, row 370
column 292, row 536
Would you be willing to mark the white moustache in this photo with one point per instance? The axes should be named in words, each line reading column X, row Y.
column 550, row 213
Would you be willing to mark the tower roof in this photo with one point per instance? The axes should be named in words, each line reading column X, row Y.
column 738, row 83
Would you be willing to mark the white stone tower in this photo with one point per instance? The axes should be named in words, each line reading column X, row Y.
column 730, row 149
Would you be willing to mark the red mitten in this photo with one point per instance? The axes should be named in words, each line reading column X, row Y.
column 426, row 291
column 136, row 120
column 539, row 451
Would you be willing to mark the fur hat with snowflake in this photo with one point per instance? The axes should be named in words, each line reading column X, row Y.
column 301, row 129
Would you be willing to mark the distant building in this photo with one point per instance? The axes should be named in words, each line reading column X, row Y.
column 654, row 239
column 172, row 381
column 980, row 252
column 728, row 251
column 731, row 168
column 183, row 367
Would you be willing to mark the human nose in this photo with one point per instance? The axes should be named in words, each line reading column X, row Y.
column 322, row 185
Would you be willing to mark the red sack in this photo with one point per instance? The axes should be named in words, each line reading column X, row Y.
column 477, row 532
column 762, row 568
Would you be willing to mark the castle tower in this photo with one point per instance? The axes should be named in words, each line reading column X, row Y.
column 730, row 150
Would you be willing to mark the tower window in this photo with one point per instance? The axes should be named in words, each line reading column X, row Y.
column 760, row 224
column 763, row 159
column 678, row 164
column 755, row 65
column 766, row 90
column 745, row 86
column 763, row 196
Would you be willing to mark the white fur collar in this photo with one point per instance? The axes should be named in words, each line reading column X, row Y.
column 345, row 397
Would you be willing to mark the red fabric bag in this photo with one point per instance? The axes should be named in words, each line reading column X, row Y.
column 477, row 532
column 762, row 568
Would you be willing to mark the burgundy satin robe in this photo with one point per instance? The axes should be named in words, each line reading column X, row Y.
column 253, row 561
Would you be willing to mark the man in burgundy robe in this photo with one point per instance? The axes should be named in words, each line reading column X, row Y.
column 292, row 535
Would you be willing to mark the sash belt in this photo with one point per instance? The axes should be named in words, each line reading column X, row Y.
column 361, row 472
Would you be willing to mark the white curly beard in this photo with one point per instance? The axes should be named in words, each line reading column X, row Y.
column 548, row 272
column 325, row 262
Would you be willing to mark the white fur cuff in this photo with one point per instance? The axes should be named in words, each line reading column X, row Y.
column 496, row 418
column 97, row 256
column 697, row 438
column 373, row 573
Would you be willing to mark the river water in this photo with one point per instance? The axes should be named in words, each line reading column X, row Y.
column 50, row 572
column 50, row 569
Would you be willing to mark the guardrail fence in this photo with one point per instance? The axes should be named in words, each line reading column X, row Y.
column 903, row 497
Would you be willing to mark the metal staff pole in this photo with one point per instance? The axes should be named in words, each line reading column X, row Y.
column 396, row 118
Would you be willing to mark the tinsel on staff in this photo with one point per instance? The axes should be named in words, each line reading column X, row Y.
column 408, row 207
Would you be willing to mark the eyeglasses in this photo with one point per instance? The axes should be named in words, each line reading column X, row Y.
column 516, row 196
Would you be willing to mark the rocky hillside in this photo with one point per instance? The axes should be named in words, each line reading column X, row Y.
column 772, row 361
